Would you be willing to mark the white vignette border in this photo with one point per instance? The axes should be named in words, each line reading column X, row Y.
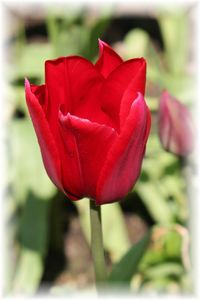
column 195, row 218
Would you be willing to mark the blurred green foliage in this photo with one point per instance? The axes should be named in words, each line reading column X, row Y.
column 161, row 187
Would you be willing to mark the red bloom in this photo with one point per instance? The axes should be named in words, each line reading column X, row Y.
column 92, row 123
column 175, row 126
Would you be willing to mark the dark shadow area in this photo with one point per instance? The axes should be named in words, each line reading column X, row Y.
column 120, row 26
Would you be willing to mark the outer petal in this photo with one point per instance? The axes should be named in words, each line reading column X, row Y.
column 45, row 139
column 123, row 164
column 136, row 85
column 108, row 59
column 176, row 129
column 86, row 145
column 123, row 84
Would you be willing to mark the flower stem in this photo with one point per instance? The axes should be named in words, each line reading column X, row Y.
column 97, row 243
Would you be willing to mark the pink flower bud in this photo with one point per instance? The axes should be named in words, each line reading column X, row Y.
column 176, row 128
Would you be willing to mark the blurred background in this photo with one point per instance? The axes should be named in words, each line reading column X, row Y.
column 47, row 235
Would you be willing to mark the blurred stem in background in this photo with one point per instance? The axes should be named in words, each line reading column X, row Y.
column 76, row 33
column 97, row 243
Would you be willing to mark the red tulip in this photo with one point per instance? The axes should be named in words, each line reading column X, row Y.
column 175, row 126
column 92, row 123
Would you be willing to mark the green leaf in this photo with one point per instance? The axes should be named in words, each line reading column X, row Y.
column 31, row 62
column 80, row 38
column 136, row 43
column 127, row 266
column 173, row 244
column 95, row 32
column 155, row 202
column 33, row 235
column 33, row 238
column 174, row 28
column 174, row 187
column 182, row 87
column 166, row 246
column 27, row 171
column 164, row 270
column 29, row 272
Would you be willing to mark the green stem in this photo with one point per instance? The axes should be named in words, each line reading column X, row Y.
column 97, row 243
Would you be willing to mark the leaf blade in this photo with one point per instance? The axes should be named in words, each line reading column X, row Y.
column 127, row 266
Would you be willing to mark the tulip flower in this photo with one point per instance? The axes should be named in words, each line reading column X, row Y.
column 175, row 126
column 92, row 124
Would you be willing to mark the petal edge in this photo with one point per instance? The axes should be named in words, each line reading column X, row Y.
column 123, row 164
column 108, row 59
column 45, row 138
column 87, row 144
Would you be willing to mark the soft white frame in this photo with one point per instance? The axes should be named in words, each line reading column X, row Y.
column 195, row 215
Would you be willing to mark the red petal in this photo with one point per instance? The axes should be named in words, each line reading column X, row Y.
column 40, row 93
column 123, row 164
column 73, row 83
column 136, row 85
column 45, row 138
column 86, row 146
column 121, row 88
column 108, row 59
